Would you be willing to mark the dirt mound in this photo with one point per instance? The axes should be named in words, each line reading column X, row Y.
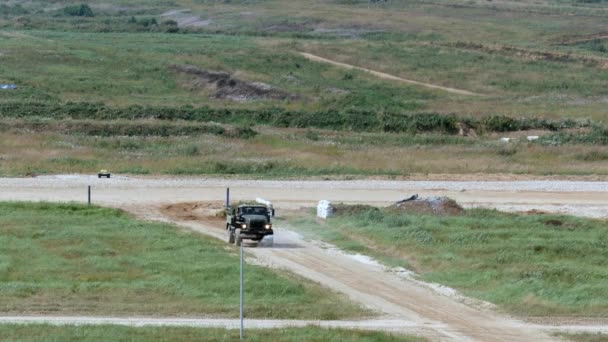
column 554, row 223
column 227, row 87
column 535, row 212
column 442, row 206
column 193, row 211
column 466, row 130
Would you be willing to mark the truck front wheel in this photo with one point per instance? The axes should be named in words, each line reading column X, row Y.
column 230, row 235
column 237, row 237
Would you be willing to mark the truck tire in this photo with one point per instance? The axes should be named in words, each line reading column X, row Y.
column 237, row 237
column 230, row 235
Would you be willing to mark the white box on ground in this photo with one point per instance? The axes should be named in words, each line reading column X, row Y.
column 324, row 209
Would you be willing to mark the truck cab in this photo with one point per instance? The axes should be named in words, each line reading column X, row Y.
column 248, row 221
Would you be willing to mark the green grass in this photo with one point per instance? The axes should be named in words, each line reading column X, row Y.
column 584, row 337
column 116, row 65
column 283, row 153
column 113, row 333
column 74, row 259
column 533, row 265
column 133, row 69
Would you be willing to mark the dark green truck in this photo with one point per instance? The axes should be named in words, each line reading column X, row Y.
column 248, row 221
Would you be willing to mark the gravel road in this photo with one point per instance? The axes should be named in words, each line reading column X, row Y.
column 584, row 198
column 391, row 325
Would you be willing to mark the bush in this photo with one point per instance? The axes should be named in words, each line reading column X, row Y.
column 500, row 123
column 593, row 156
column 124, row 128
column 82, row 10
column 145, row 22
column 598, row 135
column 354, row 120
column 17, row 9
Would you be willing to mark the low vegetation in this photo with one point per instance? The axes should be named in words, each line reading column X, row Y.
column 588, row 337
column 36, row 148
column 76, row 259
column 532, row 265
column 352, row 120
column 97, row 83
column 44, row 333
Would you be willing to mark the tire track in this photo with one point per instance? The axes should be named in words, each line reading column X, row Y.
column 386, row 76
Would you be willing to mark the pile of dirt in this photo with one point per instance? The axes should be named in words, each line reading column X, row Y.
column 193, row 211
column 227, row 87
column 466, row 130
column 535, row 212
column 441, row 206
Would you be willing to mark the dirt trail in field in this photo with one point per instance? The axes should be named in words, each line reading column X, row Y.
column 387, row 76
column 585, row 39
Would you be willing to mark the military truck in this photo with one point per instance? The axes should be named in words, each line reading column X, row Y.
column 248, row 221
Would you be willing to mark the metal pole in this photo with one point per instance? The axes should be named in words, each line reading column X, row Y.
column 241, row 305
column 227, row 197
column 89, row 195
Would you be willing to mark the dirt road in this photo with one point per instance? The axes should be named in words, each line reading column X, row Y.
column 424, row 310
column 583, row 198
column 387, row 76
column 391, row 325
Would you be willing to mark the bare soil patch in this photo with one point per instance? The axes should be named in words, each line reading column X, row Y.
column 435, row 205
column 441, row 206
column 225, row 86
column 194, row 211
column 556, row 223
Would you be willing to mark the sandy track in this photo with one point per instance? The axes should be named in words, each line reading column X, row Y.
column 391, row 325
column 387, row 76
column 585, row 39
column 582, row 198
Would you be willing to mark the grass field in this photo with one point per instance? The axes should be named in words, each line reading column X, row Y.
column 529, row 265
column 74, row 259
column 48, row 333
column 293, row 153
column 125, row 60
column 585, row 337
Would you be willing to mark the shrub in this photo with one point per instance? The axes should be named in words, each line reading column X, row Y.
column 16, row 9
column 593, row 156
column 145, row 22
column 499, row 123
column 82, row 10
column 598, row 135
column 355, row 120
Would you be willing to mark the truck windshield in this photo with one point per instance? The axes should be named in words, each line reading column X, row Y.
column 254, row 211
